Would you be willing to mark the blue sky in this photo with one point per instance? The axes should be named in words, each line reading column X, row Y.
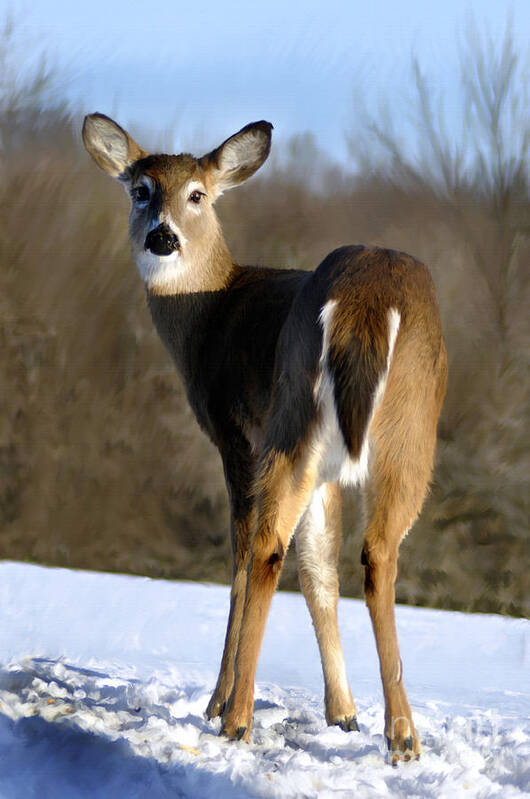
column 197, row 72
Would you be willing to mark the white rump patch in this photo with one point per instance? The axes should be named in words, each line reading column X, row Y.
column 334, row 458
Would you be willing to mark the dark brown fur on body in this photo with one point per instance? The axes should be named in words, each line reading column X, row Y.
column 223, row 344
column 301, row 380
column 261, row 334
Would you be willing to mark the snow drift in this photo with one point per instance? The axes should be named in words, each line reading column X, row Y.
column 104, row 680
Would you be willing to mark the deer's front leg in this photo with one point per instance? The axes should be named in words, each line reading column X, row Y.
column 225, row 681
column 239, row 470
column 284, row 494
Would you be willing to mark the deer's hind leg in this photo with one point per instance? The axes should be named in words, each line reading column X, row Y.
column 318, row 540
column 403, row 441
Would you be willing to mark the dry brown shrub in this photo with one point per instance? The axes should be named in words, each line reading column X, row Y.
column 101, row 463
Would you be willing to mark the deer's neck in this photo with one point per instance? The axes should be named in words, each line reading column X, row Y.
column 185, row 319
column 183, row 322
column 223, row 342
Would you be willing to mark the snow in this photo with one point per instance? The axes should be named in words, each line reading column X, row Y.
column 104, row 680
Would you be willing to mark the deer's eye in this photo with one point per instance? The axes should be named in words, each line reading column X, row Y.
column 196, row 197
column 140, row 194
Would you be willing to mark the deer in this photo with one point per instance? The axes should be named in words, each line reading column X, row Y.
column 307, row 382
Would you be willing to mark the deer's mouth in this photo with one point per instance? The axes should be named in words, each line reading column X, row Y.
column 162, row 241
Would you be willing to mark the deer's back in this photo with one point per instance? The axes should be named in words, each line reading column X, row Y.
column 263, row 335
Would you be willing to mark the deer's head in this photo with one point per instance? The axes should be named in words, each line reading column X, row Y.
column 175, row 235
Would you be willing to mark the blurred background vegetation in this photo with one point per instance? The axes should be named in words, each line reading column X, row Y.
column 102, row 465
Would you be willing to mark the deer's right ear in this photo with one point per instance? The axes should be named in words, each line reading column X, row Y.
column 239, row 156
column 110, row 146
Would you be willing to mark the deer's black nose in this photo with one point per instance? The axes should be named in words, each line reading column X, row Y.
column 162, row 240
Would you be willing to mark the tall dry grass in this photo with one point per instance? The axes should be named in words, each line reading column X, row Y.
column 101, row 462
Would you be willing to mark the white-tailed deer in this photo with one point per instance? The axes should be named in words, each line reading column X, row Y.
column 304, row 381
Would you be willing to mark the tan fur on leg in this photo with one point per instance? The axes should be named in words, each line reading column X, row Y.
column 318, row 539
column 241, row 535
column 285, row 492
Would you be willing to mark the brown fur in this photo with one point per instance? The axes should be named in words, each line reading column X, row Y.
column 269, row 386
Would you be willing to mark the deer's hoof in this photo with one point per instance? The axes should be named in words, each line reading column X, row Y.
column 403, row 749
column 235, row 733
column 348, row 724
column 215, row 708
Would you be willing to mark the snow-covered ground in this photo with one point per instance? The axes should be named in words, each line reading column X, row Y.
column 104, row 680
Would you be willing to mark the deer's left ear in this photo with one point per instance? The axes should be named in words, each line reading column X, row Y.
column 110, row 146
column 239, row 156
